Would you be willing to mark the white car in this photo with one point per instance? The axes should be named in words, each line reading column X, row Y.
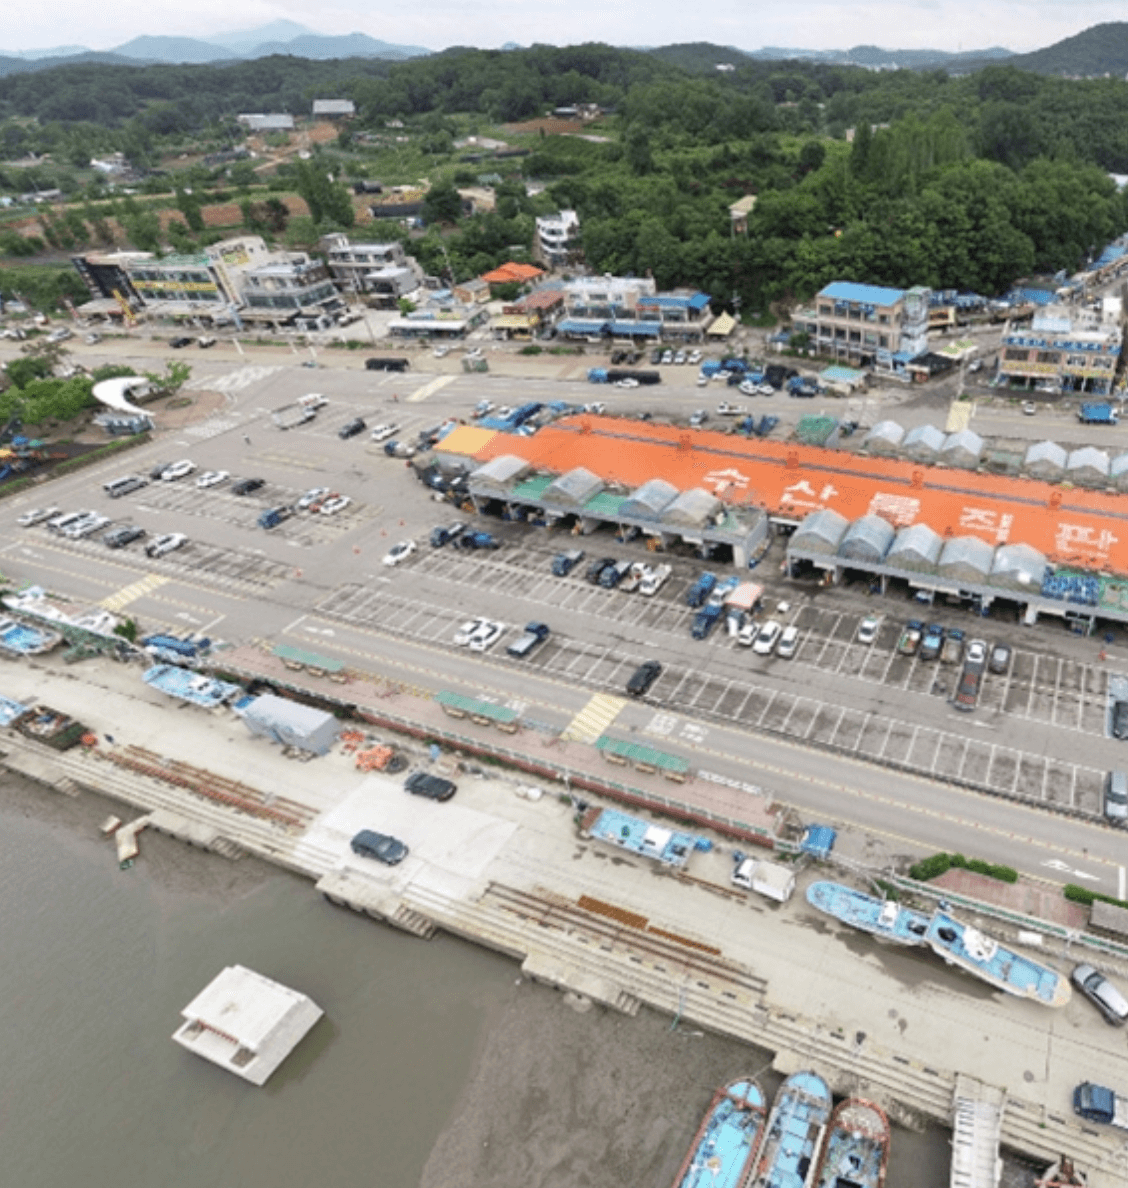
column 768, row 637
column 312, row 496
column 694, row 358
column 86, row 527
column 597, row 407
column 383, row 432
column 165, row 543
column 788, row 642
column 440, row 352
column 867, row 629
column 702, row 381
column 313, row 400
column 486, row 636
column 36, row 516
column 503, row 413
column 212, row 478
column 765, row 390
column 746, row 637
column 177, row 470
column 468, row 630
column 332, row 506
column 976, row 652
column 626, row 382
column 399, row 552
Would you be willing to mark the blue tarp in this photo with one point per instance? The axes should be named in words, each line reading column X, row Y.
column 862, row 294
column 818, row 840
column 631, row 329
column 582, row 326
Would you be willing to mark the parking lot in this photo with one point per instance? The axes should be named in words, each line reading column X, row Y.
column 751, row 696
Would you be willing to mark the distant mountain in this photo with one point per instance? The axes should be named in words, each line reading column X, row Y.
column 57, row 51
column 874, row 58
column 173, row 49
column 243, row 41
column 89, row 57
column 349, row 45
column 1101, row 50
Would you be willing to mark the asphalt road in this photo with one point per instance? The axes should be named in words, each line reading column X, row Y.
column 237, row 582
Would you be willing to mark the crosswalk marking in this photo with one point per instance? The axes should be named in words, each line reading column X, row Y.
column 138, row 589
column 430, row 389
column 594, row 718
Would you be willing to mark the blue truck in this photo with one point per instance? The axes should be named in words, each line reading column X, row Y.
column 701, row 589
column 706, row 619
column 1097, row 414
column 1098, row 1104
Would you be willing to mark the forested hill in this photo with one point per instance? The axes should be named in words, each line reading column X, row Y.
column 1098, row 51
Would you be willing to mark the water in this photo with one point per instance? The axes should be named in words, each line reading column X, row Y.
column 97, row 964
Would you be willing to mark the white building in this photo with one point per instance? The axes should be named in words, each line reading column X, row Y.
column 558, row 237
column 246, row 1023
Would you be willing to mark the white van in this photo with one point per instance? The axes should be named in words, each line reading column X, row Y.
column 115, row 488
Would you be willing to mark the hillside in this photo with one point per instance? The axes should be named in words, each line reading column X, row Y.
column 1098, row 51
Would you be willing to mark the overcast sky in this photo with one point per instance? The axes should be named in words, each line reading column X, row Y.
column 1017, row 25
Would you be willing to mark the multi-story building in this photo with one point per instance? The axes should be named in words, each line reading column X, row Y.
column 558, row 237
column 295, row 287
column 1064, row 349
column 866, row 324
column 380, row 272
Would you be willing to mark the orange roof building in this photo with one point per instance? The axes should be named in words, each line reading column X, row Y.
column 513, row 273
column 1083, row 530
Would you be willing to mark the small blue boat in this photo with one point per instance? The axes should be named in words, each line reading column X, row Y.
column 856, row 1151
column 961, row 944
column 793, row 1136
column 727, row 1139
column 882, row 917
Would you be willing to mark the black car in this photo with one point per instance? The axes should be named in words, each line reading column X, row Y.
column 124, row 534
column 643, row 677
column 177, row 343
column 433, row 787
column 351, row 428
column 596, row 568
column 381, row 846
column 1120, row 720
column 1000, row 658
column 158, row 470
column 247, row 485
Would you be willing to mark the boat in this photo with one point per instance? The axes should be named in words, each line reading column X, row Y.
column 793, row 1135
column 727, row 1139
column 882, row 917
column 26, row 641
column 964, row 946
column 856, row 1151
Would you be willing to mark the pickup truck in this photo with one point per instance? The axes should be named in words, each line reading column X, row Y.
column 952, row 651
column 705, row 620
column 535, row 633
column 971, row 678
column 290, row 416
column 728, row 409
column 701, row 589
column 770, row 879
column 1098, row 1104
column 634, row 577
column 910, row 637
column 931, row 641
column 564, row 563
column 654, row 580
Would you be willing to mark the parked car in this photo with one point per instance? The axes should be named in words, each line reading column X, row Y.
column 351, row 428
column 122, row 535
column 698, row 418
column 768, row 637
column 36, row 516
column 165, row 543
column 468, row 630
column 399, row 552
column 643, row 677
column 177, row 470
column 1119, row 727
column 788, row 642
column 486, row 636
column 1101, row 993
column 596, row 568
column 247, row 485
column 564, row 563
column 87, row 527
column 118, row 487
column 867, row 629
column 332, row 506
column 312, row 496
column 205, row 341
column 382, row 432
column 178, row 343
column 159, row 469
column 422, row 783
column 61, row 523
column 212, row 478
column 1000, row 658
column 482, row 408
column 1029, row 409
column 381, row 846
column 626, row 382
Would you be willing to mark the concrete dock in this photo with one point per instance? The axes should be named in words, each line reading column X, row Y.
column 512, row 873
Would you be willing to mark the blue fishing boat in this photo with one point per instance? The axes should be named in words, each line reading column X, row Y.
column 722, row 1151
column 793, row 1134
column 856, row 1151
column 882, row 917
column 962, row 945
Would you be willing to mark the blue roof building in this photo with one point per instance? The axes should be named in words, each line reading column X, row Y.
column 866, row 325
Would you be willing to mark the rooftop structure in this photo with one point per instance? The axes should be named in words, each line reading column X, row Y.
column 1063, row 348
column 381, row 269
column 291, row 724
column 558, row 237
column 273, row 122
column 867, row 324
column 334, row 108
column 246, row 1023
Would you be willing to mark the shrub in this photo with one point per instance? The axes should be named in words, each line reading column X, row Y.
column 931, row 868
column 1083, row 895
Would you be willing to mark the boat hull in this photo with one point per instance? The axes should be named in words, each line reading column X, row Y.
column 855, row 1153
column 726, row 1142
